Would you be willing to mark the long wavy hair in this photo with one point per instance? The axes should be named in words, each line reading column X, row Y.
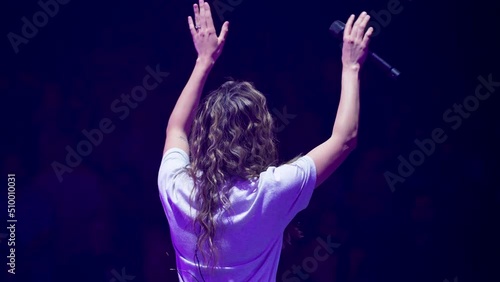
column 232, row 138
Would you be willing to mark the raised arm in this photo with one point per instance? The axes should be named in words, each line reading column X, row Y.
column 330, row 154
column 209, row 48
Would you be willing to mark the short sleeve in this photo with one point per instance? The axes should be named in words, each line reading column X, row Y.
column 173, row 161
column 287, row 189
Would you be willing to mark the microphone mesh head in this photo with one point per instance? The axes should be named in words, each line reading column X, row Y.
column 337, row 28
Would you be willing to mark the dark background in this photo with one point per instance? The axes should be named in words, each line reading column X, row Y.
column 105, row 216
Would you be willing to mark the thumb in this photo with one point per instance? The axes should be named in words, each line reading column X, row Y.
column 223, row 33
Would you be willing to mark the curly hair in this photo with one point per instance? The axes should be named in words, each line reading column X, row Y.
column 232, row 138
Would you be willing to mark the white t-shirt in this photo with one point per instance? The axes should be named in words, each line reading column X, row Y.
column 250, row 237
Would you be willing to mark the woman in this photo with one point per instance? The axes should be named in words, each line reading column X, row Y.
column 226, row 201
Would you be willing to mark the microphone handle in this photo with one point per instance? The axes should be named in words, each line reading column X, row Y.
column 391, row 71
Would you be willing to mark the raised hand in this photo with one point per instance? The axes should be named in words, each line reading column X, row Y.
column 206, row 42
column 355, row 47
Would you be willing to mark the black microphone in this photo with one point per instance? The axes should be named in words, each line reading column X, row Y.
column 337, row 30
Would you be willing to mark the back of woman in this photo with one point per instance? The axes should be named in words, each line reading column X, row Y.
column 226, row 199
column 249, row 233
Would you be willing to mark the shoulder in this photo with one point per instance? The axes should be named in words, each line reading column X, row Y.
column 299, row 170
column 175, row 154
column 173, row 162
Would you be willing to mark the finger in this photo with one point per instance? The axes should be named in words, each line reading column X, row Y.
column 196, row 14
column 348, row 26
column 362, row 25
column 356, row 31
column 208, row 16
column 355, row 28
column 223, row 33
column 366, row 38
column 202, row 22
column 191, row 26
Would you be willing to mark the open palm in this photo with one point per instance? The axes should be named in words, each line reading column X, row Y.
column 207, row 43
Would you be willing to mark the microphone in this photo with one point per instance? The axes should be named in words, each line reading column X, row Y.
column 337, row 30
